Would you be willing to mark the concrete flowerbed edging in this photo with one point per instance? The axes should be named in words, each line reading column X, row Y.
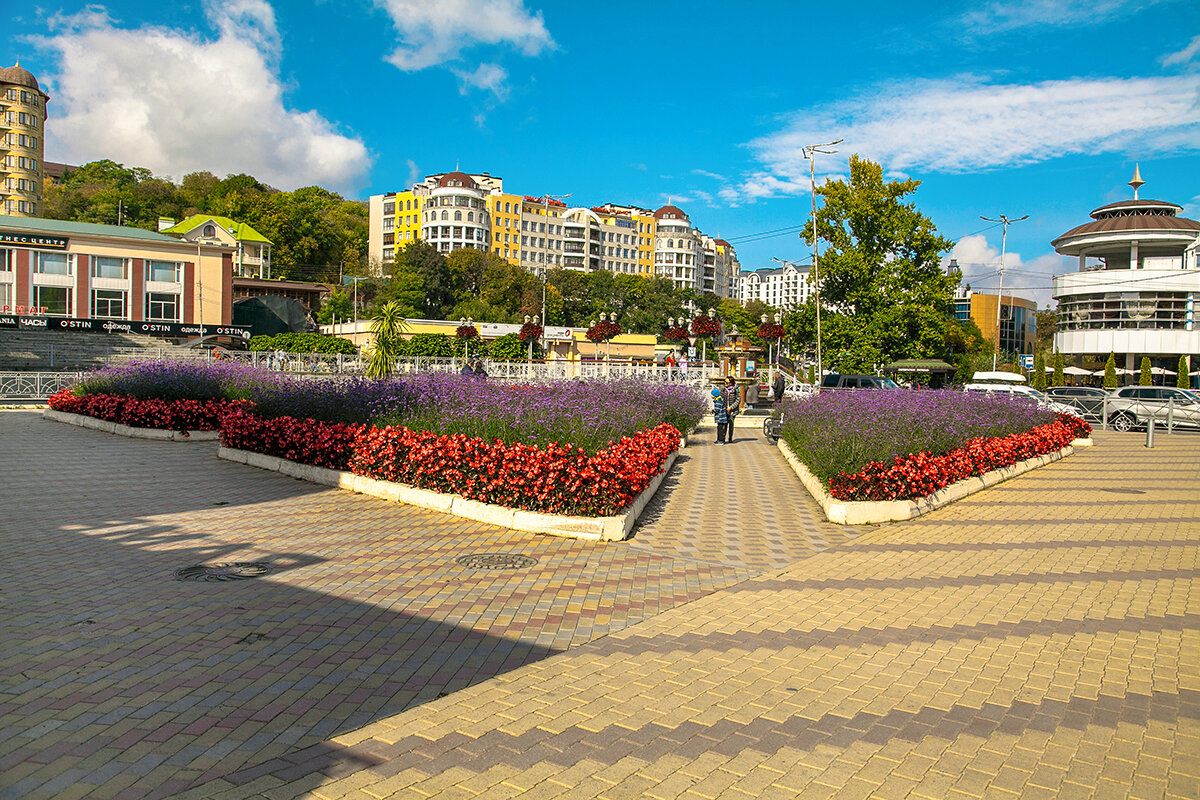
column 133, row 433
column 865, row 512
column 609, row 529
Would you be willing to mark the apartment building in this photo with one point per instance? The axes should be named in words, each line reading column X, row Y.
column 780, row 287
column 22, row 142
column 538, row 233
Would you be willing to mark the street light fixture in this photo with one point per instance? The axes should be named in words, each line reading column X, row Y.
column 1000, row 300
column 810, row 153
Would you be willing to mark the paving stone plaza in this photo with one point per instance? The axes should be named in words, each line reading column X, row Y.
column 1039, row 639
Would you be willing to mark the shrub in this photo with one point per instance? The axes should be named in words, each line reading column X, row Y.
column 171, row 415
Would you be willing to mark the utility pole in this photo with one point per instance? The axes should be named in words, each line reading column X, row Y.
column 810, row 152
column 1005, row 221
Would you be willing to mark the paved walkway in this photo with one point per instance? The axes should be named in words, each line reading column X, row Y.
column 1039, row 639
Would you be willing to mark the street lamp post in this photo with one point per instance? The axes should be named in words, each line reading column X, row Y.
column 1005, row 221
column 810, row 152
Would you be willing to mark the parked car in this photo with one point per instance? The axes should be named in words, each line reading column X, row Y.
column 1133, row 406
column 834, row 380
column 1088, row 400
column 1027, row 392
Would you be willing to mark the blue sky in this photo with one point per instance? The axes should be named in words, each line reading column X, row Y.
column 1038, row 107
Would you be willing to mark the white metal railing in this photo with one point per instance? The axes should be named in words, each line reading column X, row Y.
column 33, row 386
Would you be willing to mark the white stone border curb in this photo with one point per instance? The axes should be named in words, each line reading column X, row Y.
column 865, row 512
column 157, row 434
column 609, row 529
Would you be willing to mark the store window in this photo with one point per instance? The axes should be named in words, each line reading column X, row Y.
column 162, row 307
column 108, row 303
column 108, row 267
column 6, row 295
column 55, row 299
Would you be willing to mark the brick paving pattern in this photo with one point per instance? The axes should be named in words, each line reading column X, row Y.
column 1040, row 639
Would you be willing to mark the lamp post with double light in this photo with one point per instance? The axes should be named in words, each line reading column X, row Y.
column 810, row 153
column 1005, row 221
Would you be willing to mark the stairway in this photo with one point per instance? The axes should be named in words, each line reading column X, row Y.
column 57, row 351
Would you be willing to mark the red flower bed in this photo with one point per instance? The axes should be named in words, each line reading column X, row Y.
column 308, row 441
column 171, row 415
column 556, row 480
column 921, row 474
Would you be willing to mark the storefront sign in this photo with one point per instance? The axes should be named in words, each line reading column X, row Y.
column 33, row 240
column 167, row 329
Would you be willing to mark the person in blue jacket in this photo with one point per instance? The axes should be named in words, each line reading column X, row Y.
column 720, row 414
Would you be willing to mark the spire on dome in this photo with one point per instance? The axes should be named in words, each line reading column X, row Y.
column 1137, row 181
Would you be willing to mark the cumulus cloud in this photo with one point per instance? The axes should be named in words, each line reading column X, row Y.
column 178, row 102
column 436, row 33
column 967, row 124
column 980, row 265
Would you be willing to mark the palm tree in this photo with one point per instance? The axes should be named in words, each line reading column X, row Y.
column 386, row 329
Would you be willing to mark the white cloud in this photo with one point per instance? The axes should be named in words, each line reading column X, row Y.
column 966, row 125
column 176, row 102
column 980, row 265
column 1003, row 16
column 1183, row 56
column 487, row 76
column 414, row 173
column 715, row 176
column 434, row 33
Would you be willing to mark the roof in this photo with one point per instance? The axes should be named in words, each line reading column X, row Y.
column 64, row 228
column 20, row 76
column 919, row 365
column 239, row 230
column 675, row 211
column 466, row 179
column 1128, row 216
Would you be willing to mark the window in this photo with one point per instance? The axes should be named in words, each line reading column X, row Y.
column 6, row 300
column 389, row 209
column 6, row 260
column 52, row 264
column 162, row 307
column 507, row 208
column 389, row 223
column 446, row 215
column 458, row 216
column 108, row 303
column 55, row 299
column 470, row 216
column 524, row 225
column 108, row 267
column 389, row 238
column 163, row 271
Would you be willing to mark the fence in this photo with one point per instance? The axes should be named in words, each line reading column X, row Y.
column 32, row 387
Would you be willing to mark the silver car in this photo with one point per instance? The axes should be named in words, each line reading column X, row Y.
column 1088, row 400
column 1133, row 406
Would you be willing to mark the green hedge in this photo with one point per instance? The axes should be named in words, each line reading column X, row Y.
column 304, row 343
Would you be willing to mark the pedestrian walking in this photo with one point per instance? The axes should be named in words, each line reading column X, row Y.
column 683, row 364
column 733, row 406
column 479, row 370
column 779, row 386
column 720, row 414
column 468, row 367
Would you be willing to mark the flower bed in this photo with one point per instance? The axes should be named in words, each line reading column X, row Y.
column 921, row 474
column 171, row 415
column 556, row 479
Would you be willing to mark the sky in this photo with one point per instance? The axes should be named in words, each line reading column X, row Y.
column 1031, row 107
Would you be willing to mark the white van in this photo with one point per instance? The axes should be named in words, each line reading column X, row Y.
column 1013, row 384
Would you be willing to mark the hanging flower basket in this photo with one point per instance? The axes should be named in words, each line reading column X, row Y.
column 530, row 331
column 466, row 332
column 676, row 334
column 603, row 330
column 770, row 330
column 705, row 326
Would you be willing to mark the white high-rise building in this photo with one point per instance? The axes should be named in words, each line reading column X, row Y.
column 780, row 287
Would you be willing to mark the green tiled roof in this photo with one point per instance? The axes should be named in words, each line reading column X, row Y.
column 240, row 230
column 80, row 228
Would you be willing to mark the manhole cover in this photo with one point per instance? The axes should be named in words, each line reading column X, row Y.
column 232, row 571
column 495, row 561
column 1123, row 491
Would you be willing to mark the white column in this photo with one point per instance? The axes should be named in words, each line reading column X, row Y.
column 1133, row 254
